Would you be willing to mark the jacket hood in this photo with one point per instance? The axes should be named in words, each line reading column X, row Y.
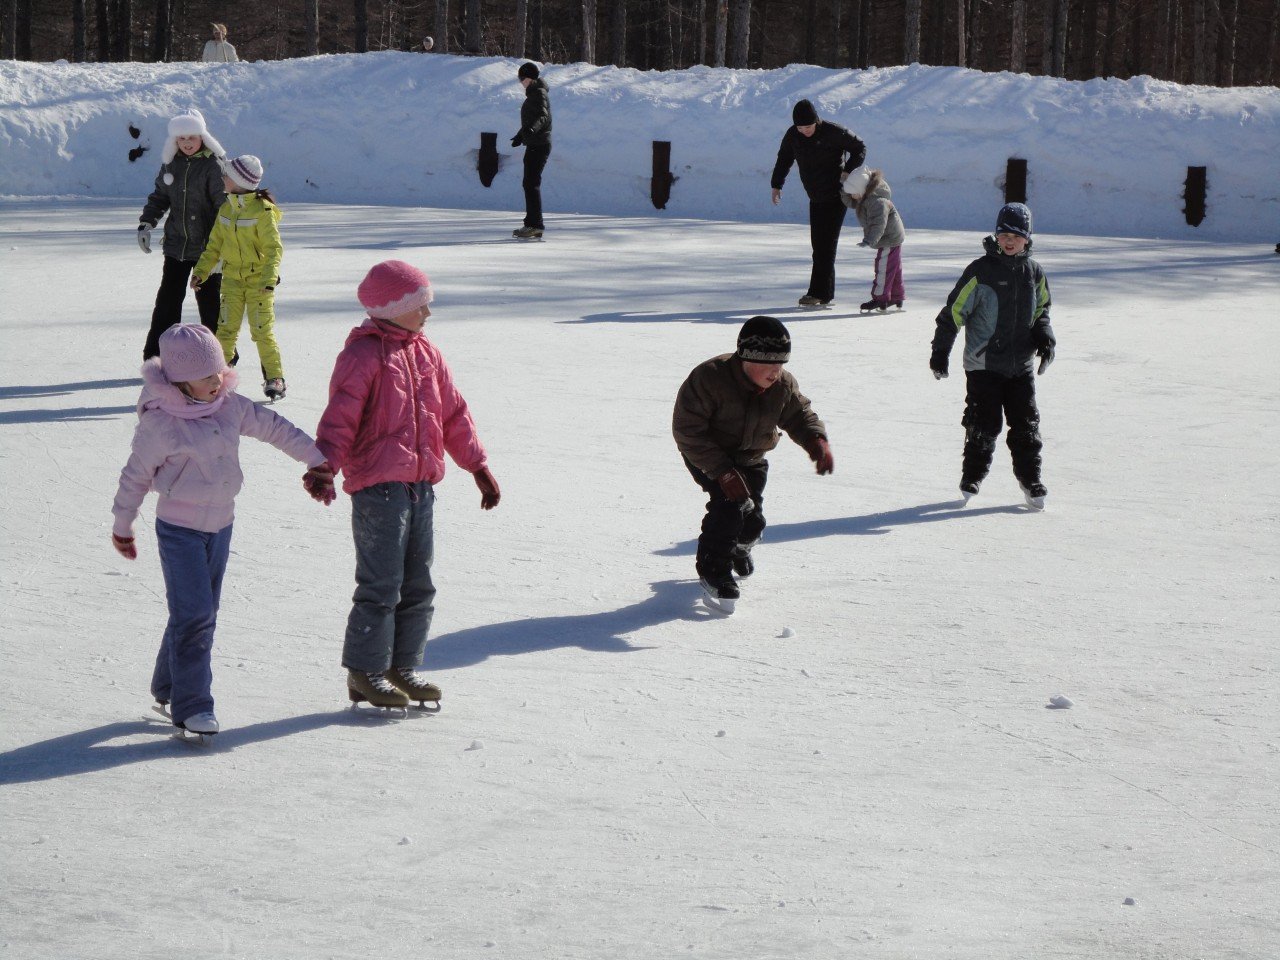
column 877, row 186
column 159, row 394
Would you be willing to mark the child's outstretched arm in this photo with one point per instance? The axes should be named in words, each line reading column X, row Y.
column 266, row 425
column 135, row 482
column 212, row 254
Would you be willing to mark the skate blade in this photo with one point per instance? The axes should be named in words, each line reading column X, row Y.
column 193, row 738
column 967, row 495
column 379, row 713
column 1035, row 504
column 163, row 710
column 428, row 706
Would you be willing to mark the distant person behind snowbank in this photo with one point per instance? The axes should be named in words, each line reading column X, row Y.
column 218, row 50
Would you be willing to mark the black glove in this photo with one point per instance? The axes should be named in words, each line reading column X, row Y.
column 1045, row 343
column 938, row 364
column 517, row 140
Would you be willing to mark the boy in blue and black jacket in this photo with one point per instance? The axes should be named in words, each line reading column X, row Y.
column 1002, row 300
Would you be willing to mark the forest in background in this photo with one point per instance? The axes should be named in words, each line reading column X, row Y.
column 1213, row 42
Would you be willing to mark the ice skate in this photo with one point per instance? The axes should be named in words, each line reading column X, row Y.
column 201, row 726
column 274, row 389
column 968, row 489
column 527, row 233
column 415, row 686
column 374, row 689
column 1035, row 494
column 743, row 565
column 719, row 590
column 809, row 300
column 877, row 305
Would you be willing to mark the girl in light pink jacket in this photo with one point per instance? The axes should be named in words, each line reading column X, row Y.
column 394, row 412
column 186, row 448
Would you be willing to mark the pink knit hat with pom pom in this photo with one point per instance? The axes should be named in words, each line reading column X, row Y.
column 190, row 351
column 393, row 288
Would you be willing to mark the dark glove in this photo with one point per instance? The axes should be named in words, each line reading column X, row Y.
column 517, row 140
column 489, row 492
column 124, row 546
column 1045, row 342
column 938, row 364
column 318, row 482
column 144, row 236
column 820, row 453
column 734, row 486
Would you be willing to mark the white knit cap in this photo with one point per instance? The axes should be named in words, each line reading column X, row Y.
column 856, row 183
column 245, row 171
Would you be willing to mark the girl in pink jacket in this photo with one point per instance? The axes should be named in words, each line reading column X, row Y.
column 186, row 448
column 393, row 413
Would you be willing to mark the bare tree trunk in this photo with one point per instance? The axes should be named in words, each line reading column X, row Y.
column 1199, row 51
column 362, row 26
column 77, row 31
column 9, row 29
column 475, row 39
column 618, row 33
column 911, row 45
column 521, row 29
column 1109, row 40
column 700, row 11
column 740, row 36
column 163, row 31
column 535, row 30
column 1018, row 37
column 587, row 51
column 811, row 31
column 961, row 54
column 1269, row 73
column 722, row 30
column 442, row 26
column 311, row 20
column 123, row 30
column 104, row 29
column 1230, row 14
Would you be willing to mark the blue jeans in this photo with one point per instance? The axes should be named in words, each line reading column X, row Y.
column 193, row 563
column 394, row 599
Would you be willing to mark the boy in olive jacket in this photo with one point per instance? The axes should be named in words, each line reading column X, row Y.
column 727, row 417
column 1002, row 300
column 246, row 238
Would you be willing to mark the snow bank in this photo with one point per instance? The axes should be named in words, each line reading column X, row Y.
column 1105, row 157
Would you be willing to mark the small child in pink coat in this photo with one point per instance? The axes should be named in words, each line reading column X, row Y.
column 186, row 448
column 393, row 414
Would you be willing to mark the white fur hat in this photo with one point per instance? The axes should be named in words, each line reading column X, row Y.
column 856, row 183
column 188, row 125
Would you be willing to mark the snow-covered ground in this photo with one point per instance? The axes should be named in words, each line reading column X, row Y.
column 859, row 763
column 1106, row 157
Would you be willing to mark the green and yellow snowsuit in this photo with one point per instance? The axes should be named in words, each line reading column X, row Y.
column 246, row 238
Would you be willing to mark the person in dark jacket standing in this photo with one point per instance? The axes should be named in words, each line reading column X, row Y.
column 189, row 189
column 1002, row 300
column 825, row 153
column 535, row 135
column 727, row 417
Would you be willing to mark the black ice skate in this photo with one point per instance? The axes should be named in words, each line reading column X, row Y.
column 527, row 233
column 870, row 305
column 969, row 489
column 274, row 389
column 719, row 590
column 743, row 565
column 1034, row 494
column 809, row 300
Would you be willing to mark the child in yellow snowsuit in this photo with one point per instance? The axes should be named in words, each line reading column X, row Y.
column 246, row 238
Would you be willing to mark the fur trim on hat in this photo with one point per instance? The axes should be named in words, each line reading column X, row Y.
column 188, row 125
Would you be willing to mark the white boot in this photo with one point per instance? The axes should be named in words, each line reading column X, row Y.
column 200, row 723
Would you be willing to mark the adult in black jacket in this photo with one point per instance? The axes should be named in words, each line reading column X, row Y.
column 825, row 153
column 535, row 135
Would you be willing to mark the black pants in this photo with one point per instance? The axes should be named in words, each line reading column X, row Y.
column 173, row 290
column 726, row 525
column 988, row 397
column 535, row 160
column 826, row 217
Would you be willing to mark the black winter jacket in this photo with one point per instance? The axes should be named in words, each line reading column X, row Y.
column 535, row 115
column 821, row 159
column 1003, row 304
column 192, row 200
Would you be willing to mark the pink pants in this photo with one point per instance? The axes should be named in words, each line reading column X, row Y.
column 887, row 286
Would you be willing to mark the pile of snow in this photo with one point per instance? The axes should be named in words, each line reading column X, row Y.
column 1105, row 157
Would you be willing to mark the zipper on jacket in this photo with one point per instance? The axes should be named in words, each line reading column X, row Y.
column 417, row 423
column 186, row 177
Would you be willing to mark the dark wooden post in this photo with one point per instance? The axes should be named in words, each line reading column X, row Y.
column 1193, row 193
column 660, row 185
column 488, row 161
column 1015, row 181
